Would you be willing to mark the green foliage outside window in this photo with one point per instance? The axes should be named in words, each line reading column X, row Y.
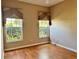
column 13, row 29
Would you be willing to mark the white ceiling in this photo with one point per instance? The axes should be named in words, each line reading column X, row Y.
column 46, row 3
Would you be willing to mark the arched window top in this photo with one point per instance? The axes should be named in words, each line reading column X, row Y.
column 12, row 13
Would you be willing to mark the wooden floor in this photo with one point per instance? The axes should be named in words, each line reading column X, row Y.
column 47, row 51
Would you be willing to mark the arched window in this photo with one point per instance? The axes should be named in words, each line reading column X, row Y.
column 13, row 24
column 44, row 23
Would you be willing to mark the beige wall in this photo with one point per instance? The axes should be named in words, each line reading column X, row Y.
column 63, row 29
column 64, row 24
column 30, row 22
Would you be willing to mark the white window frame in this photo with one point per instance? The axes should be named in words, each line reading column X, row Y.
column 48, row 29
column 7, row 41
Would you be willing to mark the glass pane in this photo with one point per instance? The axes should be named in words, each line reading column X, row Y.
column 13, row 29
column 43, row 28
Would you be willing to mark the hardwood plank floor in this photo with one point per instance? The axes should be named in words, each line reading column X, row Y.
column 47, row 51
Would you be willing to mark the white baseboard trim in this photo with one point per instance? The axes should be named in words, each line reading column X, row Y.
column 25, row 46
column 66, row 47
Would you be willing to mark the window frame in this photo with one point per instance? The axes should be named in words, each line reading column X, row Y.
column 16, row 40
column 49, row 30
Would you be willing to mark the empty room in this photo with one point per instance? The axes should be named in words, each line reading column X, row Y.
column 39, row 29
